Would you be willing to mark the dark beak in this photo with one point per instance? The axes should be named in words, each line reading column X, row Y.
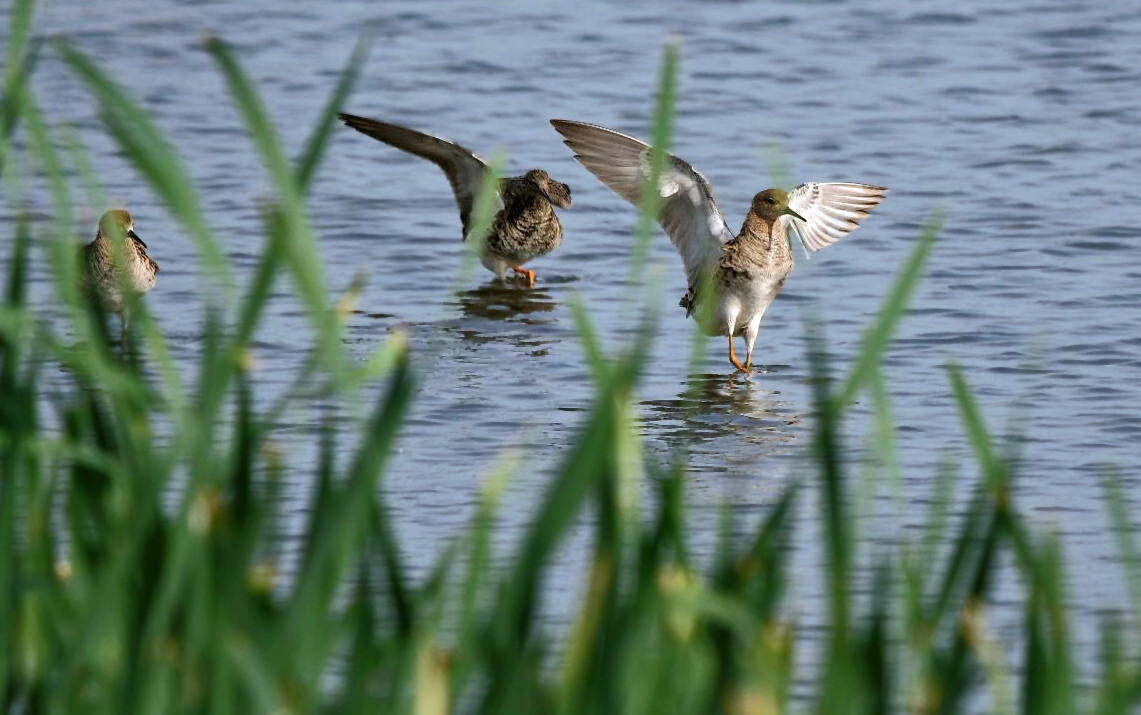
column 794, row 214
column 132, row 234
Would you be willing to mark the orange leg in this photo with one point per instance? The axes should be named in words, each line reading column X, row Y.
column 528, row 274
column 733, row 356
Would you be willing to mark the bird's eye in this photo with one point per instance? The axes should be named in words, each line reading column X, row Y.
column 770, row 199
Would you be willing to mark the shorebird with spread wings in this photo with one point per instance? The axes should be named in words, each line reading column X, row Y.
column 525, row 226
column 741, row 273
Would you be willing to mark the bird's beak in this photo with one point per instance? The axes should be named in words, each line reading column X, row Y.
column 794, row 214
column 132, row 234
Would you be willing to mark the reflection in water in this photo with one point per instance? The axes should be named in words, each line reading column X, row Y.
column 715, row 406
column 498, row 311
column 506, row 312
column 506, row 300
column 127, row 352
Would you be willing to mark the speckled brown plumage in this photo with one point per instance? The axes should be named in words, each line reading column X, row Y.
column 761, row 249
column 526, row 225
column 98, row 273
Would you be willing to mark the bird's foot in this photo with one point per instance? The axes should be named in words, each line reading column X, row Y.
column 733, row 354
column 528, row 274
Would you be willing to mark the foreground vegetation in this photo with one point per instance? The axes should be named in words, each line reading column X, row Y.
column 138, row 563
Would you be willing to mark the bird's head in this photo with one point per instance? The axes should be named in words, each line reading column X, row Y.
column 771, row 204
column 556, row 192
column 116, row 223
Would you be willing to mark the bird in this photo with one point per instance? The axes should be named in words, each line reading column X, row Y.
column 743, row 272
column 113, row 292
column 525, row 225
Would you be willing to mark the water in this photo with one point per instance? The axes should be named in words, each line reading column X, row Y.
column 1021, row 119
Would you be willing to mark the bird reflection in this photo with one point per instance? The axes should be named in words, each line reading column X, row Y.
column 505, row 300
column 497, row 312
column 713, row 406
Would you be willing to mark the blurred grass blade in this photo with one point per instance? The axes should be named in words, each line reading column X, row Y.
column 878, row 337
column 323, row 131
column 297, row 241
column 19, row 66
column 1119, row 507
column 994, row 469
column 590, row 463
column 80, row 159
column 478, row 573
column 403, row 602
column 588, row 336
column 340, row 522
column 16, row 421
column 257, row 295
column 837, row 686
column 660, row 139
column 764, row 563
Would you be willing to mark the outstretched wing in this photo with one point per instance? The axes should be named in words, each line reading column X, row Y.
column 465, row 171
column 830, row 211
column 689, row 213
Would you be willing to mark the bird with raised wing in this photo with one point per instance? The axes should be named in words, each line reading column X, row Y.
column 743, row 272
column 525, row 225
column 109, row 287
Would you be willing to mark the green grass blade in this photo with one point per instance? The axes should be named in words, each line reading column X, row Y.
column 764, row 563
column 591, row 462
column 837, row 687
column 1119, row 507
column 15, row 422
column 588, row 336
column 587, row 463
column 964, row 555
column 340, row 525
column 259, row 289
column 18, row 71
column 404, row 604
column 298, row 244
column 660, row 140
column 878, row 337
column 479, row 567
column 994, row 468
column 319, row 138
column 80, row 159
column 956, row 673
column 873, row 652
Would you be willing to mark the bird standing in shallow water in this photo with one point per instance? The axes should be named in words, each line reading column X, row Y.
column 100, row 278
column 744, row 272
column 525, row 226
